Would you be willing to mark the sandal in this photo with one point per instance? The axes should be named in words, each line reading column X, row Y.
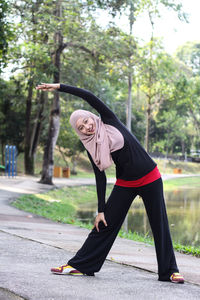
column 66, row 270
column 176, row 278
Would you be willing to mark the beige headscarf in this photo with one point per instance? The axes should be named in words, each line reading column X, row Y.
column 105, row 140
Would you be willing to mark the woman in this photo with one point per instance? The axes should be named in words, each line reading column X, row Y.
column 107, row 140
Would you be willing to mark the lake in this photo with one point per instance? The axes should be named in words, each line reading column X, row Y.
column 183, row 208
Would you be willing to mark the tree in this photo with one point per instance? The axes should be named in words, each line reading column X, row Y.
column 54, row 124
column 12, row 115
column 189, row 88
column 151, row 6
column 170, row 139
column 62, row 39
column 68, row 142
column 189, row 53
column 94, row 48
column 6, row 32
column 155, row 79
column 173, row 125
column 190, row 100
column 66, row 22
column 31, row 54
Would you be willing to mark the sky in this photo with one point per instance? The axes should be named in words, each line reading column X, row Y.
column 173, row 31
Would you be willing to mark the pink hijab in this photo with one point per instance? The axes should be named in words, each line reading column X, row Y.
column 105, row 140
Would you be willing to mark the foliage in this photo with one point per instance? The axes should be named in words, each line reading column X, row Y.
column 6, row 32
column 53, row 210
column 11, row 114
column 195, row 251
column 68, row 142
column 189, row 53
column 58, row 205
column 184, row 183
column 99, row 59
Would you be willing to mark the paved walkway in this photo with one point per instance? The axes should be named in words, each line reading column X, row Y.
column 31, row 245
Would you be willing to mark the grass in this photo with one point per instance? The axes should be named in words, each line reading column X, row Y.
column 60, row 205
column 182, row 183
column 85, row 170
column 59, row 212
column 135, row 236
column 167, row 166
column 195, row 251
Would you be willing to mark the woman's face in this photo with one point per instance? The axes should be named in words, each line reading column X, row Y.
column 86, row 125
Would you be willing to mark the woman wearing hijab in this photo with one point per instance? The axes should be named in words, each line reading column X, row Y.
column 107, row 140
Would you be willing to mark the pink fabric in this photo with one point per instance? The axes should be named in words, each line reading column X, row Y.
column 105, row 140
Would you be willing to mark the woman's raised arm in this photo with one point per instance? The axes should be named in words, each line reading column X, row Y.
column 86, row 95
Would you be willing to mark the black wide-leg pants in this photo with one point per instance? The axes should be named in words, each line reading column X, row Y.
column 91, row 256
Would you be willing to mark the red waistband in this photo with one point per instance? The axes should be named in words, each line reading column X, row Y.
column 150, row 177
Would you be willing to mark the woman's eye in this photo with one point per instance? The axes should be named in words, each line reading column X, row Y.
column 85, row 121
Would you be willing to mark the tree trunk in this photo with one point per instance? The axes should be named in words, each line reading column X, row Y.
column 130, row 77
column 129, row 103
column 183, row 147
column 130, row 74
column 63, row 156
column 28, row 160
column 74, row 164
column 150, row 83
column 38, row 124
column 48, row 160
column 54, row 126
column 196, row 121
column 148, row 118
column 2, row 153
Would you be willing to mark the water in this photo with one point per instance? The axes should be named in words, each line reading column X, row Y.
column 183, row 208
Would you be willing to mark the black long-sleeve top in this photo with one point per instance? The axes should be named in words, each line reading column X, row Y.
column 132, row 161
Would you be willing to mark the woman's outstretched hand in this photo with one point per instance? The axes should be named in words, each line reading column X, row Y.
column 48, row 86
column 99, row 218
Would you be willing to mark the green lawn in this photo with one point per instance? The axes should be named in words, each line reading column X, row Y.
column 59, row 204
column 182, row 183
column 85, row 170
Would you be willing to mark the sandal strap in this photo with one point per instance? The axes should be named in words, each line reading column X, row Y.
column 61, row 268
column 176, row 275
column 75, row 272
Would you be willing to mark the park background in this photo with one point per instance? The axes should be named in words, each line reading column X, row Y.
column 114, row 49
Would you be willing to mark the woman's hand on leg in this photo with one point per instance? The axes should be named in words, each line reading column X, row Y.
column 99, row 218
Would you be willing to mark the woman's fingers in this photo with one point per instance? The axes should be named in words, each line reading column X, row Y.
column 48, row 86
column 97, row 226
column 43, row 87
column 97, row 220
column 104, row 221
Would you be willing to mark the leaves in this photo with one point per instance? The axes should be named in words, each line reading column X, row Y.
column 101, row 59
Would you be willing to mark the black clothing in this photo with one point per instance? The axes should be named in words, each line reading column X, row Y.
column 91, row 256
column 132, row 161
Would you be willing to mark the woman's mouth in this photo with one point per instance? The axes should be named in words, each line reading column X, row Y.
column 91, row 129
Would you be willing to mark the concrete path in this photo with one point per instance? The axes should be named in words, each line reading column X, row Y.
column 31, row 245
